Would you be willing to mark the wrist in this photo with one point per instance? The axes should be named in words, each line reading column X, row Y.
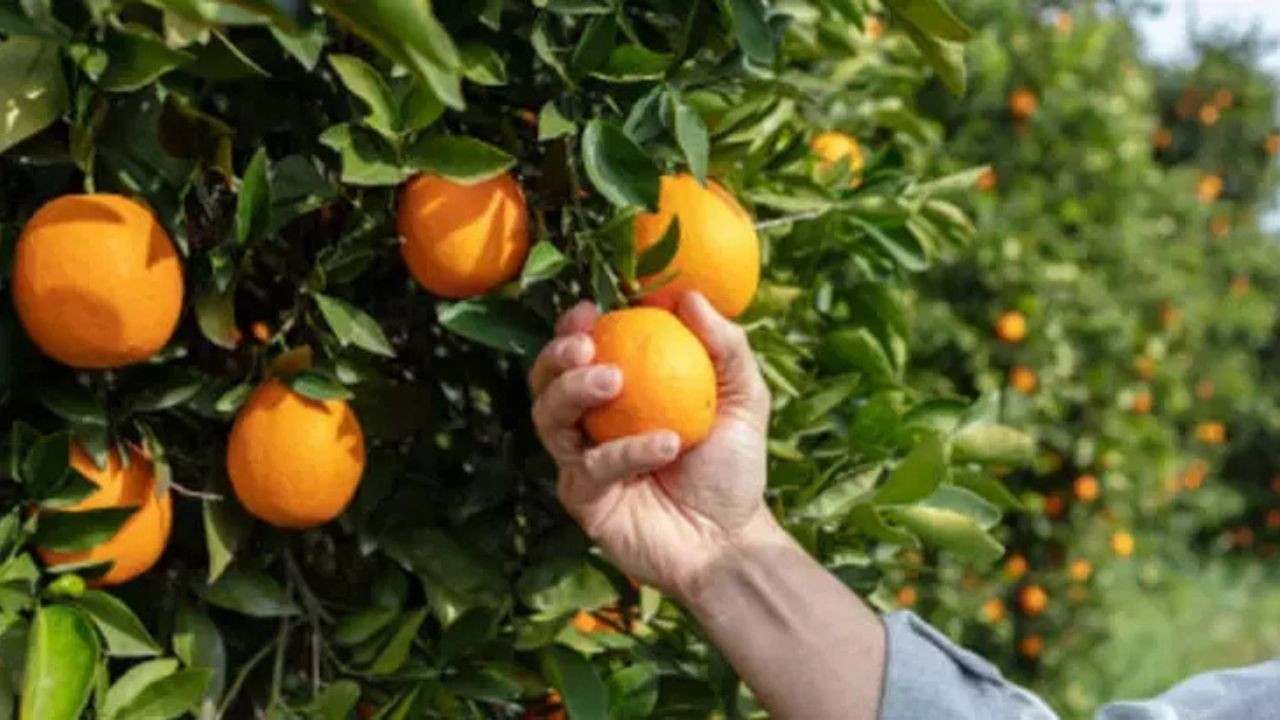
column 736, row 561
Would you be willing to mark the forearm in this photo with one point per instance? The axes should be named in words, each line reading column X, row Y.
column 805, row 644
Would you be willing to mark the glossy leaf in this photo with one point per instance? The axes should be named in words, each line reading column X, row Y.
column 62, row 654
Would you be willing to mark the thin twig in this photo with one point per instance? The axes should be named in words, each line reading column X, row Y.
column 788, row 219
column 277, row 670
column 315, row 610
column 188, row 492
column 242, row 676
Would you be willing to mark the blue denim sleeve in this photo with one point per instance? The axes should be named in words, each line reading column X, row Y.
column 927, row 677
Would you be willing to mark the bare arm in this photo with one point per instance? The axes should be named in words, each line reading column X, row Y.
column 696, row 526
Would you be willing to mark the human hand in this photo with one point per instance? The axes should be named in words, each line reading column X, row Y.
column 664, row 518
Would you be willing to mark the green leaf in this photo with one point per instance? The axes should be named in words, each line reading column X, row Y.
column 249, row 592
column 946, row 58
column 751, row 27
column 594, row 46
column 836, row 500
column 169, row 696
column 216, row 316
column 167, row 388
column 124, row 690
column 198, row 643
column 481, row 64
column 305, row 46
column 500, row 324
column 948, row 530
column 363, row 624
column 992, row 444
column 367, row 84
column 47, row 464
column 319, row 385
column 125, row 634
column 461, row 159
column 138, row 58
column 963, row 502
column 226, row 528
column 691, row 134
column 918, row 475
column 253, row 205
column 623, row 173
column 857, row 349
column 62, row 656
column 353, row 326
column 552, row 124
column 988, row 488
column 633, row 691
column 545, row 262
column 80, row 530
column 658, row 256
column 932, row 17
column 33, row 91
column 563, row 585
column 577, row 681
column 367, row 158
column 956, row 184
column 396, row 651
column 336, row 701
column 632, row 63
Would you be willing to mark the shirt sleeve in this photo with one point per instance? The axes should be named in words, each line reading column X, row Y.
column 927, row 676
column 1249, row 692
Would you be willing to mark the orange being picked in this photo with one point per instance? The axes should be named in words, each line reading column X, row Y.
column 668, row 381
column 833, row 146
column 1011, row 326
column 96, row 281
column 719, row 252
column 459, row 240
column 293, row 461
column 142, row 538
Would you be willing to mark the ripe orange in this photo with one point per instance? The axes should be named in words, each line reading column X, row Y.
column 1209, row 188
column 1275, row 484
column 1211, row 433
column 1162, row 139
column 463, row 240
column 1033, row 600
column 260, row 331
column 833, row 146
column 873, row 27
column 1204, row 389
column 1224, row 99
column 294, row 462
column 96, row 281
column 142, row 538
column 1169, row 315
column 719, row 253
column 1209, row 115
column 1080, row 570
column 1142, row 402
column 1023, row 379
column 1194, row 477
column 1011, row 326
column 1022, row 103
column 1273, row 518
column 1015, row 567
column 988, row 180
column 1219, row 226
column 607, row 620
column 1144, row 366
column 1122, row 543
column 907, row 596
column 1272, row 143
column 1087, row 488
column 993, row 610
column 1240, row 285
column 1242, row 537
column 1031, row 646
column 668, row 381
column 1054, row 505
column 1064, row 22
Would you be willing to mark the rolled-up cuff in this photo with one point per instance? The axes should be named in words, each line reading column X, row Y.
column 927, row 677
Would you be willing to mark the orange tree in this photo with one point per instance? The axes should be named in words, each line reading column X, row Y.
column 378, row 209
column 1116, row 298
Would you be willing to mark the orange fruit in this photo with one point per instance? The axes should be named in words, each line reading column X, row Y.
column 142, row 538
column 1033, row 600
column 1080, row 570
column 1144, row 366
column 873, row 27
column 1169, row 315
column 1209, row 188
column 987, row 180
column 1054, row 505
column 1209, row 115
column 1224, row 99
column 1142, row 402
column 1194, row 477
column 1087, row 488
column 1242, row 537
column 1023, row 379
column 1211, row 433
column 668, row 381
column 1064, row 22
column 463, row 240
column 1031, row 646
column 1122, row 543
column 719, row 252
column 1015, row 567
column 1272, row 143
column 1022, row 103
column 293, row 461
column 833, row 146
column 1240, row 285
column 96, row 281
column 1204, row 389
column 993, row 610
column 1275, row 484
column 907, row 596
column 1011, row 326
column 260, row 331
column 1162, row 139
column 1273, row 518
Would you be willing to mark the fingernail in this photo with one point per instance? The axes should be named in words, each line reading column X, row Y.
column 605, row 379
column 669, row 445
column 571, row 351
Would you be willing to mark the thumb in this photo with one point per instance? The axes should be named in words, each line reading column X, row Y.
column 740, row 386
